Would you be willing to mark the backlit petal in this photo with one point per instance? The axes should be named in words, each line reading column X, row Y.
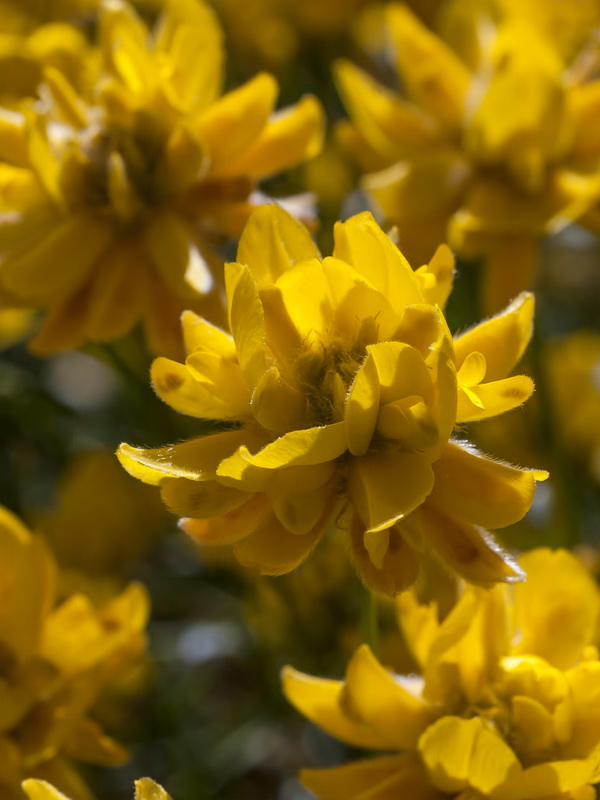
column 491, row 399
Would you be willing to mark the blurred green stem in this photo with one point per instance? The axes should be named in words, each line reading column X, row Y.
column 369, row 618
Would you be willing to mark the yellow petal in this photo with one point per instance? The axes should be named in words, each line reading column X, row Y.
column 384, row 778
column 13, row 141
column 319, row 700
column 232, row 123
column 276, row 405
column 559, row 594
column 391, row 125
column 199, row 334
column 146, row 789
column 290, row 136
column 75, row 245
column 501, row 340
column 296, row 448
column 273, row 242
column 183, row 160
column 549, row 780
column 469, row 550
column 86, row 741
column 197, row 459
column 491, row 399
column 419, row 624
column 299, row 512
column 461, row 753
column 231, row 526
column 438, row 276
column 479, row 490
column 434, row 76
column 361, row 243
column 391, row 371
column 41, row 790
column 385, row 487
column 472, row 370
column 276, row 551
column 222, row 395
column 246, row 321
column 200, row 498
column 383, row 704
column 399, row 566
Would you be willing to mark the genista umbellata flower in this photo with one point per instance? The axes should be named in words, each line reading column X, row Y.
column 344, row 388
column 145, row 789
column 55, row 660
column 507, row 706
column 112, row 203
column 492, row 144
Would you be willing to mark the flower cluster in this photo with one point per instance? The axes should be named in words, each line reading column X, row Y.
column 505, row 171
column 114, row 196
column 506, row 706
column 55, row 660
column 345, row 399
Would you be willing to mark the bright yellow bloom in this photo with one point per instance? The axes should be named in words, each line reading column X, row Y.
column 493, row 147
column 113, row 203
column 345, row 387
column 507, row 707
column 145, row 789
column 55, row 662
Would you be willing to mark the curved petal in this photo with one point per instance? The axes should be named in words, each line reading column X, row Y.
column 433, row 75
column 246, row 321
column 273, row 242
column 502, row 339
column 383, row 704
column 290, row 136
column 199, row 334
column 361, row 243
column 469, row 550
column 399, row 565
column 276, row 551
column 491, row 399
column 384, row 778
column 320, row 701
column 231, row 124
column 387, row 486
column 479, row 490
column 147, row 789
column 41, row 790
column 231, row 527
column 196, row 460
column 200, row 499
column 391, row 125
column 438, row 276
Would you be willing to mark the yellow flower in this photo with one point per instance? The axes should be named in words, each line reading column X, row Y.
column 113, row 203
column 145, row 789
column 117, row 533
column 55, row 661
column 462, row 158
column 345, row 387
column 507, row 706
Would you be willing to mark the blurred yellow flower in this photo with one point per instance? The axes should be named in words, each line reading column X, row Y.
column 345, row 387
column 493, row 147
column 116, row 533
column 145, row 789
column 112, row 203
column 507, row 706
column 55, row 662
column 15, row 324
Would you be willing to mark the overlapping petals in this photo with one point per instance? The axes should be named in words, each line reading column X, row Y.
column 113, row 199
column 56, row 660
column 505, row 707
column 460, row 159
column 343, row 401
column 145, row 789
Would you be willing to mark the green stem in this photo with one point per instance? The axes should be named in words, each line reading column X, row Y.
column 369, row 618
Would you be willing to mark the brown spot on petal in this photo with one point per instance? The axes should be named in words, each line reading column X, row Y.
column 169, row 382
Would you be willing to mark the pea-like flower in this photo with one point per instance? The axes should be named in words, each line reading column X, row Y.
column 492, row 143
column 55, row 660
column 113, row 202
column 506, row 706
column 342, row 388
